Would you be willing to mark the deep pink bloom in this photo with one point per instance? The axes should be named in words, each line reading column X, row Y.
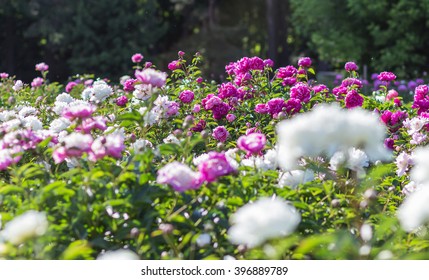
column 220, row 133
column 397, row 102
column 353, row 99
column 230, row 117
column 227, row 90
column 199, row 126
column 339, row 92
column 152, row 77
column 70, row 86
column 252, row 143
column 293, row 106
column 261, row 108
column 275, row 105
column 210, row 101
column 301, row 91
column 175, row 64
column 137, row 57
column 351, row 66
column 421, row 92
column 129, row 85
column 197, row 108
column 81, row 111
column 350, row 82
column 42, row 67
column 220, row 111
column 389, row 143
column 4, row 75
column 186, row 96
column 268, row 63
column 121, row 101
column 289, row 81
column 199, row 80
column 181, row 53
column 386, row 76
column 285, row 72
column 148, row 64
column 172, row 108
column 37, row 82
column 90, row 124
column 304, row 62
column 242, row 78
column 320, row 88
column 215, row 166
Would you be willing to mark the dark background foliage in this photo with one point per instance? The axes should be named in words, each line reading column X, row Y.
column 99, row 36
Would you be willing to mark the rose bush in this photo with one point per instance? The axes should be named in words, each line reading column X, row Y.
column 269, row 164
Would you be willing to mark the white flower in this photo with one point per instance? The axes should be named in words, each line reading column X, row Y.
column 357, row 160
column 328, row 129
column 18, row 85
column 295, row 177
column 27, row 110
column 203, row 240
column 32, row 122
column 118, row 255
column 267, row 218
column 231, row 157
column 78, row 141
column 255, row 161
column 99, row 91
column 171, row 139
column 7, row 115
column 28, row 225
column 59, row 125
column 143, row 91
column 200, row 159
column 140, row 144
column 366, row 232
column 270, row 159
column 64, row 97
column 148, row 116
column 415, row 124
column 419, row 173
column 410, row 188
column 402, row 162
column 414, row 211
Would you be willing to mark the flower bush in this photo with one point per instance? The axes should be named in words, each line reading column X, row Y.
column 269, row 164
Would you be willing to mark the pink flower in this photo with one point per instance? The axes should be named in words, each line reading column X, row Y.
column 301, row 91
column 221, row 110
column 320, row 88
column 350, row 82
column 268, row 63
column 90, row 124
column 293, row 106
column 210, row 101
column 199, row 80
column 42, row 67
column 286, row 72
column 339, row 92
column 304, row 62
column 261, row 108
column 172, row 108
column 391, row 94
column 81, row 111
column 220, row 133
column 70, row 86
column 122, row 101
column 252, row 143
column 4, row 75
column 37, row 82
column 289, row 81
column 181, row 53
column 175, row 64
column 386, row 76
column 353, row 99
column 199, row 126
column 215, row 166
column 129, row 85
column 351, row 66
column 137, row 57
column 152, row 77
column 186, row 96
column 227, row 90
column 179, row 176
column 275, row 105
column 148, row 64
column 420, row 92
column 197, row 108
column 230, row 117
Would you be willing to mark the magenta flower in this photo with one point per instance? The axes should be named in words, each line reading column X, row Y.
column 275, row 105
column 181, row 53
column 227, row 90
column 293, row 106
column 301, row 91
column 289, row 81
column 252, row 143
column 350, row 82
column 70, row 86
column 148, row 64
column 353, row 99
column 261, row 108
column 211, row 101
column 220, row 133
column 421, row 92
column 199, row 126
column 220, row 111
column 339, row 92
column 186, row 96
column 215, row 166
column 386, row 77
column 351, row 66
column 80, row 111
column 286, row 72
column 172, row 108
column 175, row 64
column 121, row 101
column 152, row 77
column 90, row 124
column 320, row 89
column 268, row 63
column 37, row 82
column 129, row 85
column 230, row 117
column 197, row 108
column 199, row 80
column 179, row 176
column 304, row 62
column 42, row 67
column 137, row 57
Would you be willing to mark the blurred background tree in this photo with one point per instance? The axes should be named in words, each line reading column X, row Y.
column 99, row 36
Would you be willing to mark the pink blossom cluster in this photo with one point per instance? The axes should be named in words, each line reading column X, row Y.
column 421, row 99
column 277, row 105
column 245, row 65
column 386, row 77
column 252, row 143
column 393, row 120
column 353, row 99
column 220, row 133
column 218, row 107
column 151, row 76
